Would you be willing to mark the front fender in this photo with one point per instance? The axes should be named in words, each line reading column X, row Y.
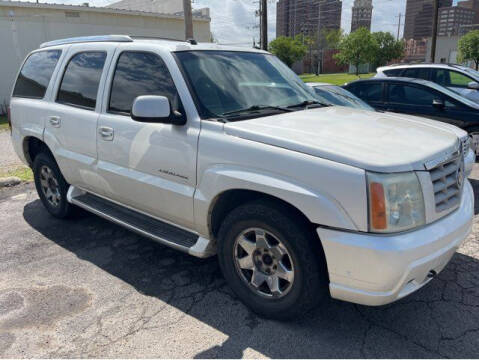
column 317, row 207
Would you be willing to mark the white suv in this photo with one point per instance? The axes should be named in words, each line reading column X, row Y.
column 218, row 150
column 461, row 79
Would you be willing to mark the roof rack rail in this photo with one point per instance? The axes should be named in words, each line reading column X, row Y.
column 149, row 37
column 85, row 39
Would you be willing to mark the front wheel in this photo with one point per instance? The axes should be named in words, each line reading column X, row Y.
column 272, row 260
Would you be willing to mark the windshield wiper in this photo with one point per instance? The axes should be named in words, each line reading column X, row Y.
column 308, row 103
column 256, row 108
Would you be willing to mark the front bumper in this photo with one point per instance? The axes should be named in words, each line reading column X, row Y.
column 375, row 270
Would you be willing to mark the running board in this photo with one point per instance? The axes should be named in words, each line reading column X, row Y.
column 147, row 226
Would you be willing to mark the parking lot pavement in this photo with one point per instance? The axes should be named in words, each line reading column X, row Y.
column 8, row 158
column 88, row 288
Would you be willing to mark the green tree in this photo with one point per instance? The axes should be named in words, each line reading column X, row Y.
column 468, row 47
column 387, row 48
column 356, row 48
column 332, row 37
column 287, row 49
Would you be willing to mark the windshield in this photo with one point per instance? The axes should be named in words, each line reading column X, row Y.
column 336, row 95
column 228, row 82
column 453, row 94
column 470, row 71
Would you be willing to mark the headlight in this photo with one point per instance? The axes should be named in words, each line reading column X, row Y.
column 396, row 202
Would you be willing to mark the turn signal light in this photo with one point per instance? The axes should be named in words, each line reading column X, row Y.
column 378, row 206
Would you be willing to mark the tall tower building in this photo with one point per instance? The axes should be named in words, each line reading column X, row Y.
column 308, row 17
column 362, row 14
column 419, row 14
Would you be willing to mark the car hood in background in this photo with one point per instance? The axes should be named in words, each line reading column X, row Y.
column 374, row 141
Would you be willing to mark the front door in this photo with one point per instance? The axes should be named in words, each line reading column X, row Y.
column 149, row 167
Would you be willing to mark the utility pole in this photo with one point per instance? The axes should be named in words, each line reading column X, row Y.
column 188, row 19
column 399, row 25
column 264, row 24
column 434, row 29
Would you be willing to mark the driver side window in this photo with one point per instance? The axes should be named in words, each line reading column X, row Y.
column 138, row 74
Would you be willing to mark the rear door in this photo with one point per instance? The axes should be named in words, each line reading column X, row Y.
column 71, row 124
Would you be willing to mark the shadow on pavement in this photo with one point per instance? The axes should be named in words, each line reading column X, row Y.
column 440, row 320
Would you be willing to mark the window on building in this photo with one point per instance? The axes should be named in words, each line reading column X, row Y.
column 138, row 74
column 36, row 74
column 81, row 80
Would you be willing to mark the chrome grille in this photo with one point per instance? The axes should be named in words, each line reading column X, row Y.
column 447, row 183
column 466, row 144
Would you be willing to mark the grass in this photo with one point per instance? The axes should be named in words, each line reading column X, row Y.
column 3, row 123
column 24, row 173
column 335, row 79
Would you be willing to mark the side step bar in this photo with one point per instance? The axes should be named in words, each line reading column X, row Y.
column 147, row 226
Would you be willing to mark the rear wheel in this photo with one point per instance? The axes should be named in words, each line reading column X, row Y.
column 272, row 260
column 51, row 186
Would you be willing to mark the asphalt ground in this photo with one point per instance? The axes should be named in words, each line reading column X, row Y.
column 88, row 288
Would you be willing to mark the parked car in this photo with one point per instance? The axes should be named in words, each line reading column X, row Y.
column 336, row 95
column 422, row 98
column 298, row 200
column 461, row 79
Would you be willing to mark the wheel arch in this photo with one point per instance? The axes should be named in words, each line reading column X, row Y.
column 32, row 146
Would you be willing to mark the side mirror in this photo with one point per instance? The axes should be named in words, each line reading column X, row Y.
column 155, row 109
column 438, row 103
column 473, row 85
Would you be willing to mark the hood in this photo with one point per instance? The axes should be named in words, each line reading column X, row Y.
column 374, row 141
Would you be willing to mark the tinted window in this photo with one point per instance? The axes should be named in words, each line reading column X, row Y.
column 450, row 78
column 369, row 91
column 80, row 82
column 417, row 73
column 36, row 74
column 393, row 72
column 137, row 74
column 338, row 96
column 411, row 95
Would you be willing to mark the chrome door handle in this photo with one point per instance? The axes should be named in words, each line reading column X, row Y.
column 107, row 133
column 55, row 121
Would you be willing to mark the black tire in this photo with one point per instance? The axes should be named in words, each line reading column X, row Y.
column 64, row 209
column 310, row 285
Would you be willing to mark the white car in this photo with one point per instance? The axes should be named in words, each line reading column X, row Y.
column 461, row 79
column 220, row 150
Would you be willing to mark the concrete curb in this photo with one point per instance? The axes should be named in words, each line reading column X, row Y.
column 9, row 181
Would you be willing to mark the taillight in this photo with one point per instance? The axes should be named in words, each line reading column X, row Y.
column 9, row 119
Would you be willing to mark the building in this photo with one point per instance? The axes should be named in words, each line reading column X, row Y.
column 308, row 17
column 452, row 18
column 464, row 29
column 362, row 14
column 25, row 25
column 157, row 6
column 419, row 15
column 471, row 4
column 446, row 49
column 415, row 50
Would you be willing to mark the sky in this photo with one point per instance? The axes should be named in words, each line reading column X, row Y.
column 234, row 21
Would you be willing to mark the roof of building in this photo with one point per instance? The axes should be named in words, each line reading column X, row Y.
column 104, row 10
column 156, row 6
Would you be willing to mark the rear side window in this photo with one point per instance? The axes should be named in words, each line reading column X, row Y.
column 417, row 73
column 36, row 74
column 369, row 91
column 138, row 74
column 393, row 72
column 81, row 80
